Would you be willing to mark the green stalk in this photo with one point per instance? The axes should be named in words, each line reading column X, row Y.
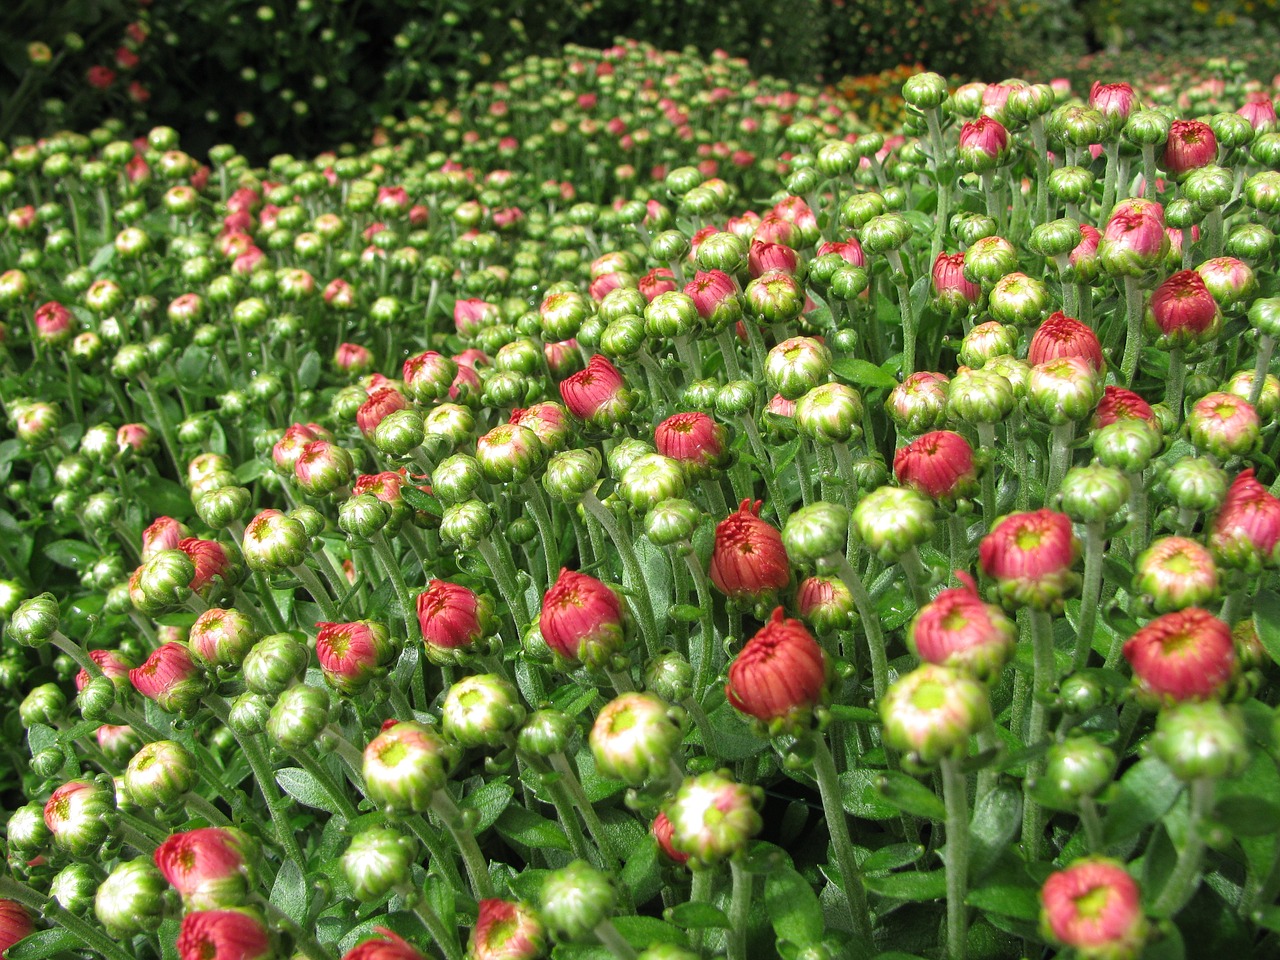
column 1266, row 344
column 1091, row 592
column 383, row 550
column 503, row 573
column 987, row 441
column 917, row 576
column 761, row 452
column 824, row 770
column 465, row 841
column 910, row 323
column 870, row 625
column 615, row 942
column 1059, row 457
column 1133, row 303
column 431, row 921
column 739, row 910
column 315, row 586
column 642, row 602
column 546, row 531
column 560, row 763
column 1186, row 872
column 1042, row 645
column 706, row 624
column 954, row 792
column 1173, row 387
column 1092, row 824
column 331, row 789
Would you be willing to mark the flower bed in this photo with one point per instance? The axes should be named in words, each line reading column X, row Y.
column 723, row 531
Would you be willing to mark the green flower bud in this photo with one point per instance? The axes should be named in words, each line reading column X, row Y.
column 79, row 815
column 830, row 414
column 650, row 479
column 298, row 716
column 132, row 899
column 26, row 831
column 671, row 314
column 456, row 479
column 713, row 818
column 989, row 259
column 634, row 738
column 249, row 713
column 892, row 520
column 816, row 532
column 46, row 763
column 1264, row 316
column 931, row 712
column 925, row 91
column 737, row 397
column 275, row 663
column 1262, row 191
column 671, row 521
column 980, row 396
column 73, row 887
column 1147, row 128
column 1093, row 493
column 888, row 231
column 405, row 765
column 1070, row 185
column 399, row 433
column 465, row 524
column 667, row 246
column 1250, row 242
column 1055, row 239
column 623, row 337
column 274, row 541
column 96, row 698
column 363, row 515
column 162, row 582
column 159, row 774
column 571, row 473
column 1077, row 767
column 222, row 507
column 986, row 341
column 1127, row 445
column 450, row 422
column 969, row 228
column 35, row 621
column 669, row 676
column 481, row 711
column 796, row 366
column 576, row 899
column 774, row 297
column 1018, row 299
column 377, row 861
column 12, row 596
column 509, row 453
column 545, row 733
column 45, row 704
column 1063, row 390
column 1201, row 740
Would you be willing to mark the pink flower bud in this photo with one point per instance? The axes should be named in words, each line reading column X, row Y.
column 170, row 677
column 1184, row 311
column 1063, row 336
column 661, row 830
column 506, row 931
column 113, row 666
column 950, row 287
column 1094, row 907
column 597, row 395
column 470, row 316
column 289, row 447
column 351, row 654
column 164, row 533
column 209, row 867
column 748, row 560
column 1118, row 403
column 583, row 619
column 15, row 924
column 656, row 282
column 693, row 439
column 957, row 629
column 212, row 564
column 1186, row 655
column 1191, row 145
column 1115, row 101
column 1260, row 111
column 984, row 144
column 780, row 674
column 1246, row 532
column 353, row 358
column 223, row 935
column 1030, row 556
column 1223, row 425
column 54, row 323
column 1131, row 244
column 380, row 404
column 452, row 617
column 939, row 465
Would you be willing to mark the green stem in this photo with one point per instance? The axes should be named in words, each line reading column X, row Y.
column 1266, row 344
column 1059, row 457
column 824, row 770
column 1182, row 882
column 1092, row 590
column 546, row 530
column 616, row 943
column 954, row 792
column 311, row 580
column 700, row 890
column 564, row 804
column 1092, row 824
column 560, row 763
column 706, row 623
column 93, row 938
column 917, row 576
column 305, row 942
column 1133, row 303
column 202, row 807
column 777, row 503
column 436, row 927
column 1042, row 645
column 162, row 423
column 503, row 572
column 383, row 549
column 729, row 350
column 902, row 283
column 739, row 910
column 987, row 441
column 870, row 625
column 465, row 841
column 332, row 789
column 1173, row 387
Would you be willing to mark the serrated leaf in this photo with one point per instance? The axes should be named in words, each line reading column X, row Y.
column 910, row 886
column 289, row 892
column 793, row 908
column 102, row 256
column 997, row 819
column 862, row 373
column 304, row 788
column 488, row 802
column 421, row 500
column 859, row 796
column 699, row 916
column 910, row 796
column 531, row 830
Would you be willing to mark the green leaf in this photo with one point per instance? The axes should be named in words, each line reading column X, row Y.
column 421, row 500
column 193, row 364
column 529, row 829
column 699, row 916
column 73, row 554
column 910, row 886
column 893, row 857
column 102, row 256
column 793, row 908
column 1248, row 816
column 1018, row 900
column 859, row 796
column 850, row 714
column 289, row 892
column 642, row 932
column 996, row 821
column 304, row 788
column 42, row 944
column 1144, row 795
column 489, row 802
column 165, row 498
column 910, row 796
column 309, row 371
column 1266, row 618
column 862, row 373
column 642, row 873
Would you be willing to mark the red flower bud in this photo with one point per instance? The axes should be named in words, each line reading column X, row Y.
column 1259, row 111
column 209, row 867
column 695, row 440
column 384, row 946
column 114, row 667
column 506, row 931
column 1187, row 655
column 223, row 935
column 950, row 287
column 1095, row 907
column 15, row 924
column 583, row 619
column 656, row 282
column 1118, row 403
column 1115, row 101
column 984, row 143
column 350, row 654
column 451, row 616
column 1184, row 311
column 780, row 673
column 957, row 629
column 211, row 562
column 164, row 533
column 661, row 830
column 597, row 395
column 170, row 677
column 939, row 465
column 1246, row 532
column 471, row 316
column 1191, row 145
column 1063, row 336
column 1030, row 555
column 748, row 561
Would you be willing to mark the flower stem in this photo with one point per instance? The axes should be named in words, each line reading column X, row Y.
column 331, row 789
column 954, row 792
column 500, row 567
column 1133, row 302
column 465, row 841
column 1093, row 554
column 1092, row 825
column 608, row 935
column 1173, row 387
column 1037, row 728
column 560, row 763
column 447, row 943
column 706, row 623
column 987, row 441
column 546, row 531
column 383, row 549
column 631, row 568
column 311, row 580
column 870, row 626
column 1182, row 882
column 739, row 910
column 824, row 771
